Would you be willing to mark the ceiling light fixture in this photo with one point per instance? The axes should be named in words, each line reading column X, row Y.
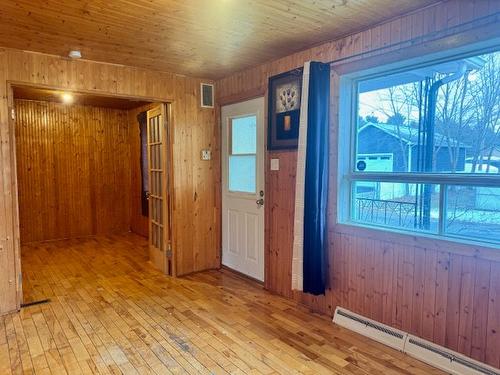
column 67, row 98
column 75, row 54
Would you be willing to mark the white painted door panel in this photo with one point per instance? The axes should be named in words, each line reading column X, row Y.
column 242, row 187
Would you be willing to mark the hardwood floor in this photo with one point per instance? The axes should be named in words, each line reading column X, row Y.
column 112, row 313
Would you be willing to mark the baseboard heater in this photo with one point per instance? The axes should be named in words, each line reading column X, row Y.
column 426, row 351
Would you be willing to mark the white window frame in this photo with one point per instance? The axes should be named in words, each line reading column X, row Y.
column 237, row 193
column 347, row 174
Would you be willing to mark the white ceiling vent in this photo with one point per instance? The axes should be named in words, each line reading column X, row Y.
column 207, row 95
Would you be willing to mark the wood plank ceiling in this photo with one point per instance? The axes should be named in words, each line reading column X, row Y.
column 193, row 37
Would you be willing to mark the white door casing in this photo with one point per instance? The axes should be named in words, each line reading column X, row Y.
column 243, row 159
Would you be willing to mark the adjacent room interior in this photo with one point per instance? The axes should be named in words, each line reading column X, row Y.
column 83, row 172
column 265, row 187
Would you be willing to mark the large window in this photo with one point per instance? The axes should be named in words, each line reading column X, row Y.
column 425, row 152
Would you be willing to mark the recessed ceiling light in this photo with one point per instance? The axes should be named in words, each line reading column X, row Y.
column 75, row 54
column 67, row 98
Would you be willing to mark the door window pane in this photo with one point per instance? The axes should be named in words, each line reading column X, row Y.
column 242, row 173
column 473, row 211
column 244, row 135
column 242, row 154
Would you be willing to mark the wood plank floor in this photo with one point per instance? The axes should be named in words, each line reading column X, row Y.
column 112, row 313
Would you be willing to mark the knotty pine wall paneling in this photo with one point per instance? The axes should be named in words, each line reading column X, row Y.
column 9, row 249
column 443, row 292
column 196, row 183
column 200, row 182
column 73, row 170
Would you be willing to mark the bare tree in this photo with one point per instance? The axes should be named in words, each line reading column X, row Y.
column 402, row 103
column 485, row 92
column 467, row 114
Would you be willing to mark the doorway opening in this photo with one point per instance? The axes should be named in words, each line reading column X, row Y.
column 93, row 180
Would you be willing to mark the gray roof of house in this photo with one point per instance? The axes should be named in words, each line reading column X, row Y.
column 409, row 135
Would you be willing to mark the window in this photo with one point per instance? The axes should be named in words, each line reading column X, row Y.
column 242, row 154
column 425, row 148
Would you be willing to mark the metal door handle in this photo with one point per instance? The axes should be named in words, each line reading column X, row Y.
column 260, row 202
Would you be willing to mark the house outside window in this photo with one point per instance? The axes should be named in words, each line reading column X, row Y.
column 424, row 151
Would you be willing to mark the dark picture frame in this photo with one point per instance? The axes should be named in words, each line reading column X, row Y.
column 284, row 95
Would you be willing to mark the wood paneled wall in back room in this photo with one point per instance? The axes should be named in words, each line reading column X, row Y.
column 436, row 291
column 196, row 182
column 73, row 170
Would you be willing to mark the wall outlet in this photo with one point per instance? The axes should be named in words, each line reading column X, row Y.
column 206, row 155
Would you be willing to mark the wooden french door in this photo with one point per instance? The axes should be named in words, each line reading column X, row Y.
column 160, row 253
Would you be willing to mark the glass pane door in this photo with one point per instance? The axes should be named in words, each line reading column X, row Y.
column 242, row 154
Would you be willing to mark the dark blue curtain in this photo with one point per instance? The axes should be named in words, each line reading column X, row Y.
column 316, row 180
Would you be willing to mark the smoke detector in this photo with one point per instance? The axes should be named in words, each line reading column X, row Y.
column 75, row 54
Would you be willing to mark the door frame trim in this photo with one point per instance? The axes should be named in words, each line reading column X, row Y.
column 163, row 109
column 11, row 126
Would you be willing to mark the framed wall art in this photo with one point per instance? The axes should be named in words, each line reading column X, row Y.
column 284, row 110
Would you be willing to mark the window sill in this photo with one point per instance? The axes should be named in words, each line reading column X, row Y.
column 428, row 241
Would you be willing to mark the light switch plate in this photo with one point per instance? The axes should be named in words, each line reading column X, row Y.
column 275, row 164
column 206, row 155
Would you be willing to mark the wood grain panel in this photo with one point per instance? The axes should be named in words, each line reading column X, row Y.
column 203, row 221
column 439, row 291
column 73, row 169
column 199, row 197
column 191, row 37
column 9, row 244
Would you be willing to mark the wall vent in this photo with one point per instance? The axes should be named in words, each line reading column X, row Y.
column 207, row 95
column 370, row 328
column 435, row 355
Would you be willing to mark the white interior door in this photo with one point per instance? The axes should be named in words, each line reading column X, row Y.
column 243, row 187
